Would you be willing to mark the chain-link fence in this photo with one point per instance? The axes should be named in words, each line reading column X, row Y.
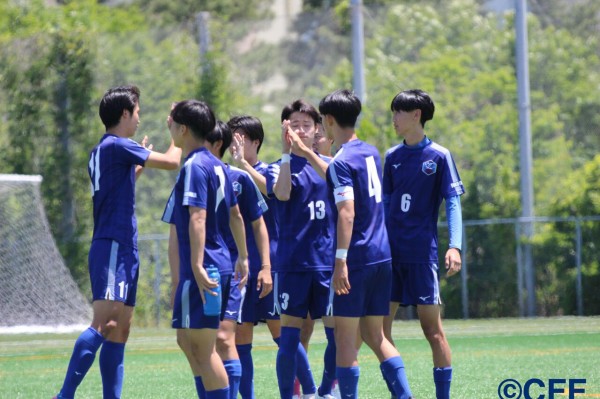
column 491, row 283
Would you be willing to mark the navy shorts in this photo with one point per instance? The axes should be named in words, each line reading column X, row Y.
column 415, row 284
column 232, row 301
column 369, row 295
column 301, row 293
column 255, row 309
column 114, row 271
column 188, row 309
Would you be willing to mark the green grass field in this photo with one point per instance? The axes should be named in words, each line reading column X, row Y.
column 485, row 352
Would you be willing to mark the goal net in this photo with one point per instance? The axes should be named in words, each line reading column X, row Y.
column 37, row 292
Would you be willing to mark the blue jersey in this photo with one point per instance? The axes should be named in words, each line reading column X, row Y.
column 252, row 205
column 112, row 173
column 306, row 220
column 355, row 174
column 415, row 180
column 270, row 216
column 203, row 183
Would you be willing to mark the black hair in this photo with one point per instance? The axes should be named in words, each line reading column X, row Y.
column 343, row 105
column 410, row 100
column 250, row 125
column 115, row 101
column 196, row 115
column 221, row 132
column 302, row 107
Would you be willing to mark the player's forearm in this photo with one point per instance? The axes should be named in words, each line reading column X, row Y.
column 236, row 224
column 345, row 224
column 283, row 187
column 454, row 218
column 173, row 255
column 261, row 236
column 317, row 163
column 197, row 231
column 259, row 179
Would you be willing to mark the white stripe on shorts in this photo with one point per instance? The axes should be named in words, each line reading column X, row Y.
column 185, row 304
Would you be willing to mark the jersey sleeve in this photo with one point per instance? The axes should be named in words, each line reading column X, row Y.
column 451, row 183
column 133, row 152
column 271, row 176
column 252, row 203
column 340, row 178
column 195, row 186
column 167, row 216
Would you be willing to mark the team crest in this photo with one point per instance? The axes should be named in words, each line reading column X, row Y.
column 429, row 167
column 237, row 188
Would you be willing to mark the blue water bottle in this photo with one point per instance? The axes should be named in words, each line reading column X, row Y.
column 212, row 307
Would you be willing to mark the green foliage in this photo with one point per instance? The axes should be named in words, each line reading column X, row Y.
column 56, row 61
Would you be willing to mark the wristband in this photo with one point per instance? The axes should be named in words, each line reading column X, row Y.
column 286, row 158
column 341, row 253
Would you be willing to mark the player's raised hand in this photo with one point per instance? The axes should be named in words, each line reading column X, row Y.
column 298, row 147
column 144, row 143
column 340, row 281
column 453, row 261
column 286, row 143
column 237, row 148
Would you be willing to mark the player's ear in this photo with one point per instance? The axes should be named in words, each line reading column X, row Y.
column 417, row 115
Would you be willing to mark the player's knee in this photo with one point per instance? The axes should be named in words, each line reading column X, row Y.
column 373, row 338
column 434, row 334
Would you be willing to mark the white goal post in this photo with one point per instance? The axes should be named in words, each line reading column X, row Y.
column 37, row 291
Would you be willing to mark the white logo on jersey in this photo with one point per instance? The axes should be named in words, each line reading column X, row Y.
column 396, row 165
column 424, row 298
column 230, row 312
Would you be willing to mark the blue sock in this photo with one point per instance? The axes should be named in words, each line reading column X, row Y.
column 286, row 360
column 200, row 387
column 218, row 394
column 389, row 386
column 394, row 373
column 329, row 363
column 82, row 358
column 247, row 380
column 442, row 378
column 112, row 368
column 303, row 371
column 348, row 381
column 233, row 368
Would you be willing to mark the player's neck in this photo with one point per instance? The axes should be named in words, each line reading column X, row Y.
column 119, row 131
column 251, row 159
column 414, row 137
column 191, row 145
column 343, row 136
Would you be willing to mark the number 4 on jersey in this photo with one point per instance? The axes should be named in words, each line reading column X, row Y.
column 373, row 176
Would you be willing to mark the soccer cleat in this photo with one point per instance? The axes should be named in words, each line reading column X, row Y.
column 326, row 396
column 309, row 396
column 297, row 394
column 335, row 390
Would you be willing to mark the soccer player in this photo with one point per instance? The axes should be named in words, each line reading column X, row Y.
column 201, row 204
column 114, row 165
column 305, row 248
column 252, row 206
column 257, row 305
column 362, row 272
column 418, row 174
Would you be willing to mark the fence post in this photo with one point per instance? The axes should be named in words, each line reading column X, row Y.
column 157, row 278
column 464, row 276
column 579, row 286
column 519, row 268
